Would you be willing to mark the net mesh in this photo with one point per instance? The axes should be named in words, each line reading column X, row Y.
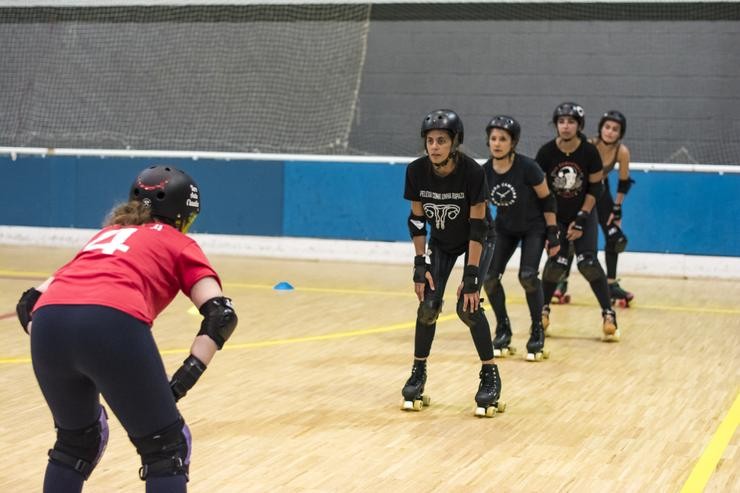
column 358, row 78
column 255, row 79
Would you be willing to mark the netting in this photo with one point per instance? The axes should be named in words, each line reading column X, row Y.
column 225, row 78
column 358, row 78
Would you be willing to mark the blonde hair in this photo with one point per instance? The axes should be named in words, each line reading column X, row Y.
column 132, row 213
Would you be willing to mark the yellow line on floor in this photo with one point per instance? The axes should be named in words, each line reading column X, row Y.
column 281, row 342
column 707, row 463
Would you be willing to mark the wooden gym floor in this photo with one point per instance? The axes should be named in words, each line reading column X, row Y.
column 305, row 397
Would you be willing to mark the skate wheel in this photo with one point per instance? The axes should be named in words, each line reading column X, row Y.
column 545, row 354
column 418, row 404
column 425, row 400
column 511, row 350
column 490, row 411
column 566, row 299
column 500, row 406
column 611, row 337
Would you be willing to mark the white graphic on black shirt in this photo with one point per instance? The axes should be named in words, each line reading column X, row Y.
column 503, row 194
column 441, row 212
column 567, row 179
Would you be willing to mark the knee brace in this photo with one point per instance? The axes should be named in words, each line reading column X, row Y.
column 528, row 279
column 491, row 283
column 469, row 319
column 589, row 266
column 166, row 452
column 555, row 268
column 428, row 311
column 81, row 450
column 616, row 241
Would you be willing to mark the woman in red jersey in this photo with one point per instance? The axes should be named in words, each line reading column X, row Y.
column 90, row 334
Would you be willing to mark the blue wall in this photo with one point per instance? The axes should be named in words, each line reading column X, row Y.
column 665, row 212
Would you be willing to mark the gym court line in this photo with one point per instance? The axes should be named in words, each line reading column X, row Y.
column 695, row 483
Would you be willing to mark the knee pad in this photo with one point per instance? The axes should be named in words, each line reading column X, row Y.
column 469, row 319
column 589, row 266
column 528, row 279
column 81, row 450
column 616, row 240
column 492, row 283
column 166, row 452
column 555, row 268
column 428, row 311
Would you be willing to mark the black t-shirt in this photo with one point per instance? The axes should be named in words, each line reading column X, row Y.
column 447, row 200
column 567, row 175
column 518, row 208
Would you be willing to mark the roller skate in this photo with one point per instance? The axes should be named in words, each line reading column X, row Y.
column 413, row 392
column 502, row 341
column 489, row 392
column 560, row 296
column 619, row 296
column 536, row 345
column 611, row 331
column 545, row 318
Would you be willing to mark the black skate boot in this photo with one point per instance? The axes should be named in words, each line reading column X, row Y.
column 611, row 331
column 619, row 296
column 489, row 392
column 502, row 341
column 536, row 344
column 561, row 296
column 413, row 392
column 545, row 318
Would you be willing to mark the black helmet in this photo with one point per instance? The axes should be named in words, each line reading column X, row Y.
column 443, row 120
column 615, row 116
column 505, row 123
column 171, row 194
column 570, row 109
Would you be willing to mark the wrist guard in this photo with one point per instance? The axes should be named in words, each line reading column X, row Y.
column 186, row 376
column 25, row 305
column 553, row 236
column 420, row 269
column 470, row 279
column 617, row 212
column 580, row 220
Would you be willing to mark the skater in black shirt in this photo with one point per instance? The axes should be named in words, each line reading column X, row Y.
column 525, row 215
column 611, row 130
column 447, row 190
column 573, row 169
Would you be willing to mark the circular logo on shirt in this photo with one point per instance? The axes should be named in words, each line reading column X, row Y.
column 503, row 194
column 567, row 179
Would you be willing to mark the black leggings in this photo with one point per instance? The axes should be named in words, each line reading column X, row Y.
column 82, row 351
column 604, row 207
column 532, row 244
column 584, row 248
column 441, row 267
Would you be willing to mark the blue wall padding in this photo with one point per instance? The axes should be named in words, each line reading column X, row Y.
column 665, row 212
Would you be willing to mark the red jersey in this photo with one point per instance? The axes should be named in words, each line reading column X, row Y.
column 135, row 269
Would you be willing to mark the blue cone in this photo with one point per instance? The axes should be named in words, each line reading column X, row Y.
column 283, row 286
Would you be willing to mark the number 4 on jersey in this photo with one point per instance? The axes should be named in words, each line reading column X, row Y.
column 111, row 241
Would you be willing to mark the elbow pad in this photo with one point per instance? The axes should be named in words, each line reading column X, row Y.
column 478, row 230
column 219, row 319
column 595, row 189
column 549, row 204
column 417, row 225
column 623, row 186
